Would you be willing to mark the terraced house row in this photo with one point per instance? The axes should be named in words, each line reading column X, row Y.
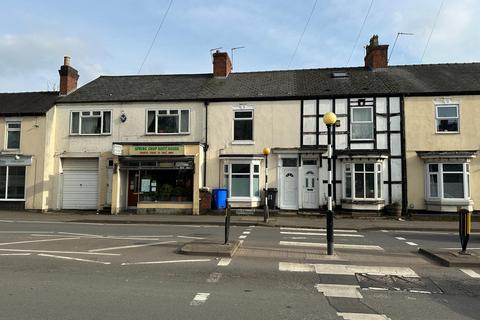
column 405, row 135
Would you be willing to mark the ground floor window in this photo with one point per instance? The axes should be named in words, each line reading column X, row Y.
column 242, row 179
column 166, row 185
column 362, row 180
column 448, row 181
column 12, row 183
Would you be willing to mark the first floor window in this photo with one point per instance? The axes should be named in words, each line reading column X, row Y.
column 447, row 118
column 242, row 179
column 13, row 134
column 90, row 122
column 363, row 180
column 448, row 180
column 362, row 123
column 170, row 121
column 12, row 183
column 243, row 125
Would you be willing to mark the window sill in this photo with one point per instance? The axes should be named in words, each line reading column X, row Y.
column 447, row 132
column 244, row 142
column 90, row 135
column 12, row 200
column 167, row 134
column 10, row 151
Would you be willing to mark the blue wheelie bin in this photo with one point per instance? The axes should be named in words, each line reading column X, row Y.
column 220, row 198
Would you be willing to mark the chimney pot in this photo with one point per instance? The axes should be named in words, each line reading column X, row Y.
column 376, row 56
column 68, row 77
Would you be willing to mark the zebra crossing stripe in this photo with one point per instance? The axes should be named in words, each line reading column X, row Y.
column 344, row 269
column 324, row 245
column 362, row 316
column 323, row 234
column 470, row 273
column 296, row 267
column 339, row 290
column 318, row 229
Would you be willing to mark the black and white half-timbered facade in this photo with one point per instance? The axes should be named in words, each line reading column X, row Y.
column 368, row 166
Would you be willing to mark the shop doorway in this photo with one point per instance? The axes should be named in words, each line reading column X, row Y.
column 133, row 180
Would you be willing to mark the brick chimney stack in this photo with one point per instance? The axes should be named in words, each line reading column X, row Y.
column 68, row 77
column 376, row 55
column 222, row 65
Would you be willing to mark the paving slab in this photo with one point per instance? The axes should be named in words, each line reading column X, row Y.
column 211, row 248
column 451, row 258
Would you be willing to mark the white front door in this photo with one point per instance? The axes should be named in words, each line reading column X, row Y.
column 310, row 187
column 289, row 188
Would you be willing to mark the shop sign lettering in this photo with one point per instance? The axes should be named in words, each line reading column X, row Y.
column 156, row 150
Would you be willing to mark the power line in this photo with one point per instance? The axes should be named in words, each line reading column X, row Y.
column 156, row 34
column 303, row 32
column 360, row 32
column 431, row 31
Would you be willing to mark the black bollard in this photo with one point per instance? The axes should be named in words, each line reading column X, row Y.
column 227, row 223
column 464, row 228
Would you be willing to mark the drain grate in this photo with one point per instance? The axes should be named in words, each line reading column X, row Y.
column 397, row 283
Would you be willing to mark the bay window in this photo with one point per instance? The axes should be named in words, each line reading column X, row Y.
column 90, row 122
column 171, row 121
column 362, row 181
column 242, row 179
column 448, row 181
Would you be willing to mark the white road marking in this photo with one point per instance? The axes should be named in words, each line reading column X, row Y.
column 242, row 237
column 343, row 269
column 411, row 243
column 324, row 245
column 384, row 231
column 423, row 232
column 296, row 267
column 400, row 238
column 458, row 248
column 471, row 273
column 323, row 234
column 47, row 235
column 164, row 262
column 200, row 298
column 339, row 290
column 131, row 246
column 251, row 226
column 26, row 231
column 295, row 238
column 420, row 291
column 317, row 230
column 214, row 277
column 62, row 252
column 15, row 254
column 70, row 258
column 240, row 241
column 81, row 234
column 246, row 232
column 140, row 238
column 35, row 241
column 224, row 262
column 362, row 316
column 187, row 237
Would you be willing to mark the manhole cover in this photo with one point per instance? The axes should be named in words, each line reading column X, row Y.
column 397, row 283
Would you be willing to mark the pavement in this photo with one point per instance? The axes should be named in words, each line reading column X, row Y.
column 360, row 223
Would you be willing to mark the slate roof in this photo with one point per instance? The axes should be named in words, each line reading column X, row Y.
column 27, row 103
column 430, row 79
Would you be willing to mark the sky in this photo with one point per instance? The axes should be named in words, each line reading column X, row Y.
column 106, row 37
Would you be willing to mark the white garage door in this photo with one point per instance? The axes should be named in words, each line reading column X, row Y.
column 80, row 184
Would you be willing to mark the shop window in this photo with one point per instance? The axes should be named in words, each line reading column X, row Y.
column 243, row 125
column 242, row 179
column 172, row 121
column 447, row 118
column 90, row 122
column 362, row 181
column 174, row 185
column 362, row 123
column 12, row 183
column 448, row 181
column 13, row 134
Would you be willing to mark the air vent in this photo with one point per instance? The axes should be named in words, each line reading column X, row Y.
column 340, row 74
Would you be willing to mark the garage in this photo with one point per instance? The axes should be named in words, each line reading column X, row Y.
column 80, row 184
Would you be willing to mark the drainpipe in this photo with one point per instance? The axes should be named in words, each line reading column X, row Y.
column 205, row 147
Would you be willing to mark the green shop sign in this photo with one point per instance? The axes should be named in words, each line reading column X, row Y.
column 156, row 150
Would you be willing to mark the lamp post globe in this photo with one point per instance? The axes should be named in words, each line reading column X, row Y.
column 266, row 151
column 329, row 118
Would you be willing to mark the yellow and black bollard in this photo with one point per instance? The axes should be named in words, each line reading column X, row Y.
column 465, row 225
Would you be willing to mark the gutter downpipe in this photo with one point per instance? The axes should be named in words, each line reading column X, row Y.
column 205, row 147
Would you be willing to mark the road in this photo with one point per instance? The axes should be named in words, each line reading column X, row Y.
column 67, row 270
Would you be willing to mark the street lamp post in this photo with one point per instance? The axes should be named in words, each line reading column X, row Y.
column 329, row 119
column 266, row 213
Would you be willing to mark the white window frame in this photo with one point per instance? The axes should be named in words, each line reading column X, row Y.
column 352, row 123
column 437, row 117
column 228, row 165
column 8, row 129
column 5, row 197
column 378, row 178
column 252, row 118
column 440, row 191
column 179, row 115
column 91, row 115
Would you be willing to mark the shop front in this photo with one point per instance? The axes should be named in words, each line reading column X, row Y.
column 13, row 172
column 151, row 178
